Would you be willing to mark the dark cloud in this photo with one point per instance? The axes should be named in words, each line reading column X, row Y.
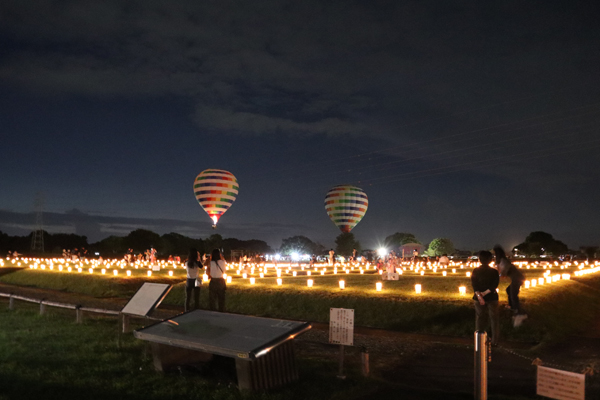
column 297, row 97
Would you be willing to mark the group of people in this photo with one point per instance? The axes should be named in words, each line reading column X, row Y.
column 215, row 269
column 485, row 280
column 75, row 254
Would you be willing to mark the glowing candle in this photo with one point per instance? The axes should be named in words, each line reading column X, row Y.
column 128, row 273
column 378, row 286
column 149, row 273
column 342, row 285
column 462, row 290
column 229, row 278
column 418, row 288
column 252, row 280
column 309, row 282
column 279, row 281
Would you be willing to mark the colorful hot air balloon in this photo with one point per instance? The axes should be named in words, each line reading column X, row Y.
column 216, row 191
column 346, row 205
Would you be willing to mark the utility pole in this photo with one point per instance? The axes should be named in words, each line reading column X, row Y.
column 37, row 236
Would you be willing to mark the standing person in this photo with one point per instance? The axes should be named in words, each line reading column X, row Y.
column 444, row 261
column 508, row 269
column 193, row 283
column 331, row 256
column 217, row 286
column 485, row 281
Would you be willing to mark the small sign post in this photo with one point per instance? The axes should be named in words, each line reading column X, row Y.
column 560, row 385
column 341, row 331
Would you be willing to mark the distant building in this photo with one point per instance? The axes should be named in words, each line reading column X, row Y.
column 407, row 250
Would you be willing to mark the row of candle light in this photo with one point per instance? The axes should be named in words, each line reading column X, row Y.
column 310, row 282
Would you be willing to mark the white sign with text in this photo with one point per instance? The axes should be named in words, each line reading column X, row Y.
column 560, row 385
column 341, row 326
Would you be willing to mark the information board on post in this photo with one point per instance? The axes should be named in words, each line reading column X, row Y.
column 341, row 326
column 560, row 385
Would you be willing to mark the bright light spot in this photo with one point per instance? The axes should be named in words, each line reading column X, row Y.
column 382, row 252
column 418, row 288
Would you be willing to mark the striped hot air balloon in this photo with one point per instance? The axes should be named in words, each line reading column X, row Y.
column 216, row 191
column 346, row 205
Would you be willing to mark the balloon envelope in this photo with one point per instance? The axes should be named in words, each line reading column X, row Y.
column 216, row 191
column 346, row 205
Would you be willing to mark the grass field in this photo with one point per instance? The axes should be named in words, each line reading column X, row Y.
column 556, row 310
column 50, row 357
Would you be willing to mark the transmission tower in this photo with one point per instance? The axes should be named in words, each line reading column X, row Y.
column 37, row 237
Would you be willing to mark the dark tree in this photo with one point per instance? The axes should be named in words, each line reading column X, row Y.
column 538, row 243
column 345, row 243
column 141, row 240
column 111, row 245
column 300, row 245
column 440, row 246
column 174, row 243
column 214, row 241
column 393, row 242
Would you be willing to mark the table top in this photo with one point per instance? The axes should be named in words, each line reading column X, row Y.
column 231, row 335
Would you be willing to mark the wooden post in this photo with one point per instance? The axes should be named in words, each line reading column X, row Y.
column 125, row 323
column 341, row 371
column 364, row 361
column 78, row 315
column 11, row 302
column 42, row 307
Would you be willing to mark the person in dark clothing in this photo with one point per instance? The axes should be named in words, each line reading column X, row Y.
column 506, row 268
column 485, row 281
column 193, row 281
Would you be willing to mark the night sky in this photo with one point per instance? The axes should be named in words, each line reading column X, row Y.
column 475, row 121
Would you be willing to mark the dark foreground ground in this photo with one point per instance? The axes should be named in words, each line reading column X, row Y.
column 412, row 366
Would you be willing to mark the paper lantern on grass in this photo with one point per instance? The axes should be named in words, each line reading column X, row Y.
column 229, row 279
column 170, row 273
column 462, row 290
column 418, row 288
column 309, row 282
column 378, row 286
column 128, row 273
column 252, row 281
column 342, row 285
column 115, row 272
column 279, row 281
column 149, row 273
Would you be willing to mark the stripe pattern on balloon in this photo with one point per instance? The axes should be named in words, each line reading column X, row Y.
column 215, row 190
column 346, row 205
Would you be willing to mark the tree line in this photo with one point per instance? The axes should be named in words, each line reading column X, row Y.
column 535, row 244
column 138, row 240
